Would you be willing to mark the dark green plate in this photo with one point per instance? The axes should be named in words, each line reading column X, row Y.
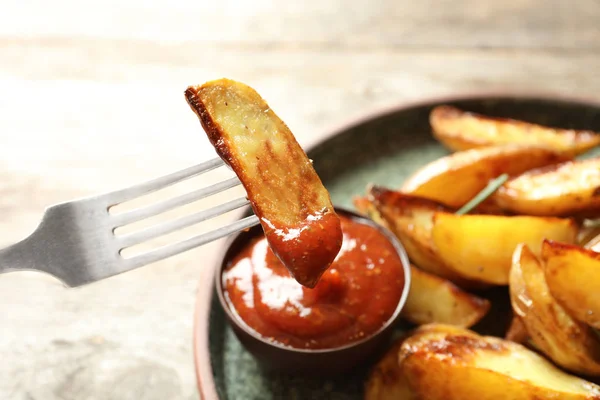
column 383, row 149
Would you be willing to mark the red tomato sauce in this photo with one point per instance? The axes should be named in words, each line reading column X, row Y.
column 354, row 298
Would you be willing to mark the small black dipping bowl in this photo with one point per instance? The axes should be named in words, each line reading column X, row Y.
column 310, row 361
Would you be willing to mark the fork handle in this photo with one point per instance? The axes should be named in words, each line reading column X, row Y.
column 14, row 258
column 32, row 254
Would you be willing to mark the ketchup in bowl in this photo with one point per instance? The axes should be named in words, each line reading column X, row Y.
column 354, row 298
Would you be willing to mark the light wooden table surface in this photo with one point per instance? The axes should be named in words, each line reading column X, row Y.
column 92, row 100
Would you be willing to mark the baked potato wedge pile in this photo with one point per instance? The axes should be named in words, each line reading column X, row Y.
column 547, row 195
column 515, row 205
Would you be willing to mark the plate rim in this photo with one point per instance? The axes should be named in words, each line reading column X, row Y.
column 204, row 293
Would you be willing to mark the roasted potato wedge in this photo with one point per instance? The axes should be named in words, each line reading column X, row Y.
column 460, row 130
column 569, row 343
column 364, row 206
column 385, row 381
column 571, row 188
column 573, row 277
column 468, row 172
column 436, row 300
column 280, row 181
column 410, row 218
column 433, row 298
column 449, row 363
column 480, row 247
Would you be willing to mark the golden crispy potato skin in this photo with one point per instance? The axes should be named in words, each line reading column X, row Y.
column 457, row 178
column 571, row 188
column 459, row 130
column 573, row 276
column 432, row 299
column 285, row 192
column 480, row 247
column 449, row 363
column 364, row 206
column 385, row 381
column 410, row 218
column 569, row 343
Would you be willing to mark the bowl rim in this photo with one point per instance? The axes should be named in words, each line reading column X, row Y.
column 354, row 216
column 203, row 368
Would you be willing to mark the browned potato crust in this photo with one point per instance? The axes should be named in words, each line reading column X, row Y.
column 568, row 342
column 410, row 218
column 432, row 298
column 448, row 363
column 385, row 382
column 364, row 206
column 571, row 188
column 573, row 276
column 460, row 130
column 436, row 300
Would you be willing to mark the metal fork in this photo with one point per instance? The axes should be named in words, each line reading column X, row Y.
column 76, row 242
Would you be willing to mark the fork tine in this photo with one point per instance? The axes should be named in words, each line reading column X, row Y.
column 199, row 240
column 153, row 185
column 155, row 209
column 180, row 223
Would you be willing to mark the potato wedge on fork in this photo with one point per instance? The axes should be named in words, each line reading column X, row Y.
column 286, row 193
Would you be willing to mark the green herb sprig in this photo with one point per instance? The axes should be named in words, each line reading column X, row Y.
column 491, row 187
